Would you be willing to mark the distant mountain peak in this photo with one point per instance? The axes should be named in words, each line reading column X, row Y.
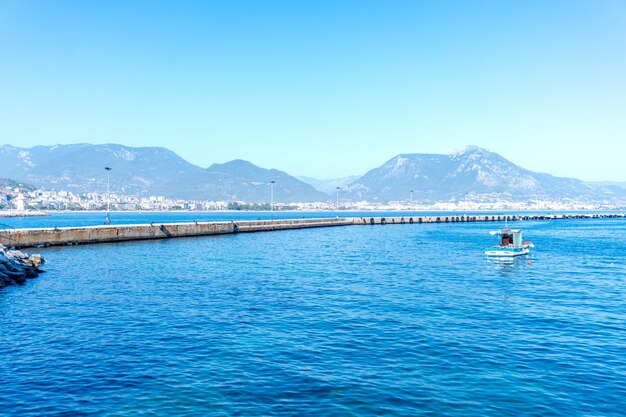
column 235, row 163
column 474, row 170
column 471, row 150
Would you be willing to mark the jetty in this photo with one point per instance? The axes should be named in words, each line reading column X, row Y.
column 63, row 236
column 23, row 213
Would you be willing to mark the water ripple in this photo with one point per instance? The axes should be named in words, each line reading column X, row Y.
column 385, row 320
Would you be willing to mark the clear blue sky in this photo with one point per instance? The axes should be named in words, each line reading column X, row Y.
column 322, row 88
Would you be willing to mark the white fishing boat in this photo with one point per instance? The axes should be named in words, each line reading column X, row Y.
column 511, row 244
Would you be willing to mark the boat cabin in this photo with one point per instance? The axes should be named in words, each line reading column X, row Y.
column 510, row 238
column 510, row 244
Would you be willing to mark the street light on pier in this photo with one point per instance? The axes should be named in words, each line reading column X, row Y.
column 108, row 169
column 466, row 204
column 411, row 200
column 337, row 200
column 272, row 197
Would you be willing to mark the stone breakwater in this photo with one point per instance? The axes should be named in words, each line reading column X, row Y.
column 17, row 266
column 58, row 236
column 29, row 213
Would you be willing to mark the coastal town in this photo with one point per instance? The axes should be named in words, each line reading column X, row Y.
column 19, row 200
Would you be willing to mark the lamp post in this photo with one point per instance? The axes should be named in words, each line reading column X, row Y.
column 337, row 200
column 272, row 197
column 108, row 169
column 411, row 201
column 466, row 205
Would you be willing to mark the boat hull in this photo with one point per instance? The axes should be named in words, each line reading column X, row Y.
column 506, row 252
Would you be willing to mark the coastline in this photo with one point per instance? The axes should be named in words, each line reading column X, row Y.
column 387, row 209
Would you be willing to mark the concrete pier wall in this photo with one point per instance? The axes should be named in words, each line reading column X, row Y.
column 24, row 238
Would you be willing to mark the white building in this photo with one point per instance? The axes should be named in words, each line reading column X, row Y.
column 19, row 203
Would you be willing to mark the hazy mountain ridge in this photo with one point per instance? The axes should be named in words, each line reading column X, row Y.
column 240, row 180
column 159, row 171
column 9, row 183
column 619, row 184
column 474, row 171
column 147, row 171
column 329, row 186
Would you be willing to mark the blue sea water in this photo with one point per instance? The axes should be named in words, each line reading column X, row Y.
column 72, row 218
column 350, row 321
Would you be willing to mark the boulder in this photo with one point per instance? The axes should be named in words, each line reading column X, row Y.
column 16, row 266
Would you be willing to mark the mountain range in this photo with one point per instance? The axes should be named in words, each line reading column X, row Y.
column 610, row 184
column 329, row 186
column 9, row 183
column 159, row 171
column 148, row 171
column 474, row 171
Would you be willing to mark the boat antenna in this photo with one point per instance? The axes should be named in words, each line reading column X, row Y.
column 506, row 219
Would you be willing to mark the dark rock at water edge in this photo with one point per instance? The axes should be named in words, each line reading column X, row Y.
column 17, row 266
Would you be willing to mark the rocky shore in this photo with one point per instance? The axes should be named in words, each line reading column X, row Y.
column 16, row 266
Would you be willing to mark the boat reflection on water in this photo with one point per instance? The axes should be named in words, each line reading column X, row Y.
column 511, row 264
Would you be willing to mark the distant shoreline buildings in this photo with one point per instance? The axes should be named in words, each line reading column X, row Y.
column 17, row 200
